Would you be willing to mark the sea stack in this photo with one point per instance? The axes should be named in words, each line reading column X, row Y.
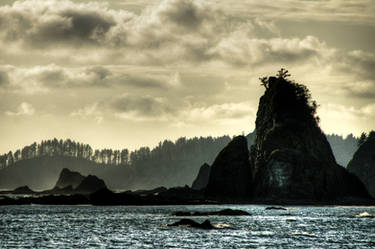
column 90, row 184
column 230, row 176
column 202, row 178
column 363, row 163
column 291, row 158
column 69, row 178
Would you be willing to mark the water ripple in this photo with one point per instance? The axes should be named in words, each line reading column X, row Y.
column 144, row 227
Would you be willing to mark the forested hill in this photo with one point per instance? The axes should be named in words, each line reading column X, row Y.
column 168, row 164
column 343, row 147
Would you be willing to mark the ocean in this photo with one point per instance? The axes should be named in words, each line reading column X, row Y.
column 145, row 227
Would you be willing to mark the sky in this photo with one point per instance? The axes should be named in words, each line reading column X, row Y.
column 125, row 74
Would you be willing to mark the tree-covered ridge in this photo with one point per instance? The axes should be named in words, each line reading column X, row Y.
column 182, row 148
column 69, row 148
column 365, row 137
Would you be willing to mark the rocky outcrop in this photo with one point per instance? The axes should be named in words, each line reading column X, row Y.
column 24, row 190
column 363, row 165
column 68, row 178
column 291, row 157
column 275, row 208
column 90, row 184
column 224, row 212
column 71, row 182
column 202, row 178
column 191, row 223
column 230, row 176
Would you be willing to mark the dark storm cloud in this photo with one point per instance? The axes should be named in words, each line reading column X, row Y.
column 40, row 24
column 183, row 31
column 174, row 31
column 183, row 13
column 72, row 26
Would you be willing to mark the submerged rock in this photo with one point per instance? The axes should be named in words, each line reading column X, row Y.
column 230, row 176
column 276, row 208
column 291, row 158
column 363, row 164
column 191, row 223
column 224, row 212
column 202, row 178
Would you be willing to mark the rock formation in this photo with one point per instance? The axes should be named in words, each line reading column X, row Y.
column 202, row 178
column 224, row 212
column 71, row 182
column 230, row 176
column 291, row 157
column 25, row 190
column 363, row 164
column 68, row 178
column 90, row 184
column 191, row 223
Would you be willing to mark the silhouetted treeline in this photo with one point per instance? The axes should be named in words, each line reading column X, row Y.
column 68, row 148
column 364, row 137
column 182, row 149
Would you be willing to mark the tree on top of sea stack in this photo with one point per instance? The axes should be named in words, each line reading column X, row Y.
column 291, row 157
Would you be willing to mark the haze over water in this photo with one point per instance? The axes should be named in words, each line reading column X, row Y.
column 145, row 227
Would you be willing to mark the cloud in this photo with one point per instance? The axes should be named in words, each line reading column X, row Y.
column 360, row 89
column 220, row 112
column 40, row 79
column 89, row 111
column 352, row 73
column 173, row 32
column 24, row 109
column 357, row 62
column 146, row 108
column 353, row 11
column 142, row 107
column 43, row 79
column 40, row 23
column 142, row 81
column 4, row 78
column 241, row 50
column 352, row 119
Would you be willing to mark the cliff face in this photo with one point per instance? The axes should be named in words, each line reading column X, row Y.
column 202, row 178
column 363, row 165
column 230, row 176
column 291, row 157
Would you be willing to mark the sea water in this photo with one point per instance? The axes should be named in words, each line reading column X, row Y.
column 145, row 227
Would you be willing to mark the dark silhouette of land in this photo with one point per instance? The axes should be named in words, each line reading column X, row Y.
column 287, row 160
column 363, row 162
